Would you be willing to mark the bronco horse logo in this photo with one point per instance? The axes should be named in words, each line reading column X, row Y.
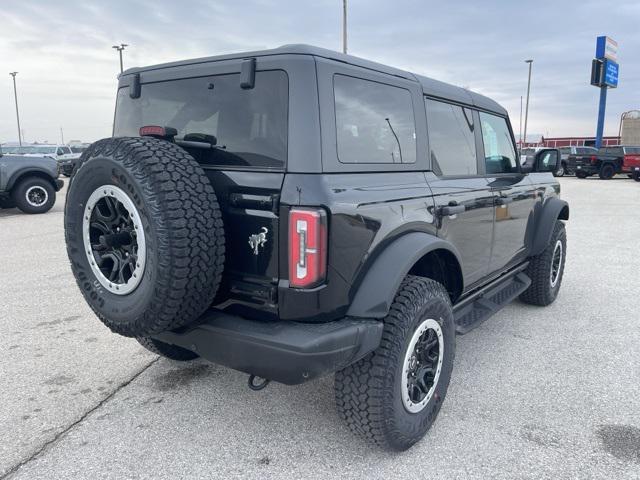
column 258, row 240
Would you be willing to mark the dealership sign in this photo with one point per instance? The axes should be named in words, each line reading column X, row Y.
column 605, row 68
column 607, row 48
column 610, row 70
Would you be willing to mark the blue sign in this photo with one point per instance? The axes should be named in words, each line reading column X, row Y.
column 611, row 70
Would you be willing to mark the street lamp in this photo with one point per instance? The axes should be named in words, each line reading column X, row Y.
column 120, row 48
column 526, row 111
column 15, row 95
column 344, row 26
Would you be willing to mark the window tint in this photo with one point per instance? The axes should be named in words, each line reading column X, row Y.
column 499, row 152
column 565, row 150
column 451, row 139
column 374, row 122
column 585, row 150
column 632, row 150
column 250, row 125
column 60, row 151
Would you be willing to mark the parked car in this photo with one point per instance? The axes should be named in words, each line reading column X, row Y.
column 566, row 151
column 63, row 154
column 296, row 212
column 606, row 162
column 29, row 183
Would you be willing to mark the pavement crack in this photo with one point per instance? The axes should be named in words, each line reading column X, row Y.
column 60, row 435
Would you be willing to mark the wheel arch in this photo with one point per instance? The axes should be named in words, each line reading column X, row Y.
column 20, row 175
column 554, row 209
column 415, row 253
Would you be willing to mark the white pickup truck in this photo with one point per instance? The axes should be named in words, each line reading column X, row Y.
column 62, row 154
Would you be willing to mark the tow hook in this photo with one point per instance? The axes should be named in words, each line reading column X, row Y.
column 257, row 385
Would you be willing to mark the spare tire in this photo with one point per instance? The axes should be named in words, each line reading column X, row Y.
column 144, row 235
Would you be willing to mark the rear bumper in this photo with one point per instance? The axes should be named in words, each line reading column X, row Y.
column 283, row 351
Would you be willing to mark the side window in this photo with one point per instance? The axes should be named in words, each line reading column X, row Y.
column 451, row 139
column 60, row 151
column 374, row 122
column 499, row 152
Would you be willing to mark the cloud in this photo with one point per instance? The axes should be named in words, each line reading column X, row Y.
column 68, row 70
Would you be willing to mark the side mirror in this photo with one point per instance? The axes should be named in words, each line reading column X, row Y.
column 546, row 160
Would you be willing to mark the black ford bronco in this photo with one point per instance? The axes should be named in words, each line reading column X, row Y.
column 297, row 212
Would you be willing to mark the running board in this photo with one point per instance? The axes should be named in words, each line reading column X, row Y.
column 473, row 311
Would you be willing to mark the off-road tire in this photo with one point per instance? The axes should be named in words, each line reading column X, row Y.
column 607, row 171
column 172, row 352
column 20, row 191
column 182, row 224
column 368, row 393
column 636, row 176
column 541, row 291
column 580, row 174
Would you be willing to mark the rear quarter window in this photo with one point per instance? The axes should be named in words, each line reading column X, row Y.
column 374, row 122
column 250, row 125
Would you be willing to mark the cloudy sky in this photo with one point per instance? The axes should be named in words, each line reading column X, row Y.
column 67, row 69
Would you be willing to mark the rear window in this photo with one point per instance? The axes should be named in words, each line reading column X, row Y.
column 374, row 122
column 585, row 150
column 250, row 125
column 632, row 150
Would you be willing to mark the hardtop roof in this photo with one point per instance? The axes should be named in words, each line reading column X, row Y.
column 430, row 86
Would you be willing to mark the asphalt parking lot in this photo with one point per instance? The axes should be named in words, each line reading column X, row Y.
column 536, row 393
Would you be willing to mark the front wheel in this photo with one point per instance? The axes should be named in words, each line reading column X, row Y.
column 560, row 171
column 546, row 270
column 34, row 195
column 393, row 395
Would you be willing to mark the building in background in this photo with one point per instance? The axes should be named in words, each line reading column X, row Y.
column 630, row 128
column 554, row 142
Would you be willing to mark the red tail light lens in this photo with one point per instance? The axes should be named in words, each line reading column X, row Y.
column 307, row 247
column 594, row 159
column 152, row 130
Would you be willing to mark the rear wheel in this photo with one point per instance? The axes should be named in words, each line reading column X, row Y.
column 546, row 270
column 636, row 175
column 167, row 350
column 144, row 235
column 393, row 395
column 561, row 170
column 607, row 171
column 34, row 195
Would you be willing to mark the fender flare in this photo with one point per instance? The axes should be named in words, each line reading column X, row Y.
column 553, row 210
column 42, row 172
column 377, row 290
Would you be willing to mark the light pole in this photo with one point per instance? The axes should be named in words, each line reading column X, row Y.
column 15, row 95
column 120, row 48
column 344, row 26
column 520, row 129
column 526, row 111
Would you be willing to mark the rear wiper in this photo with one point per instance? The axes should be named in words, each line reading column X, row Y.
column 198, row 140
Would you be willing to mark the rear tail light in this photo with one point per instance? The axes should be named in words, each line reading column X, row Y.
column 307, row 247
column 594, row 159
